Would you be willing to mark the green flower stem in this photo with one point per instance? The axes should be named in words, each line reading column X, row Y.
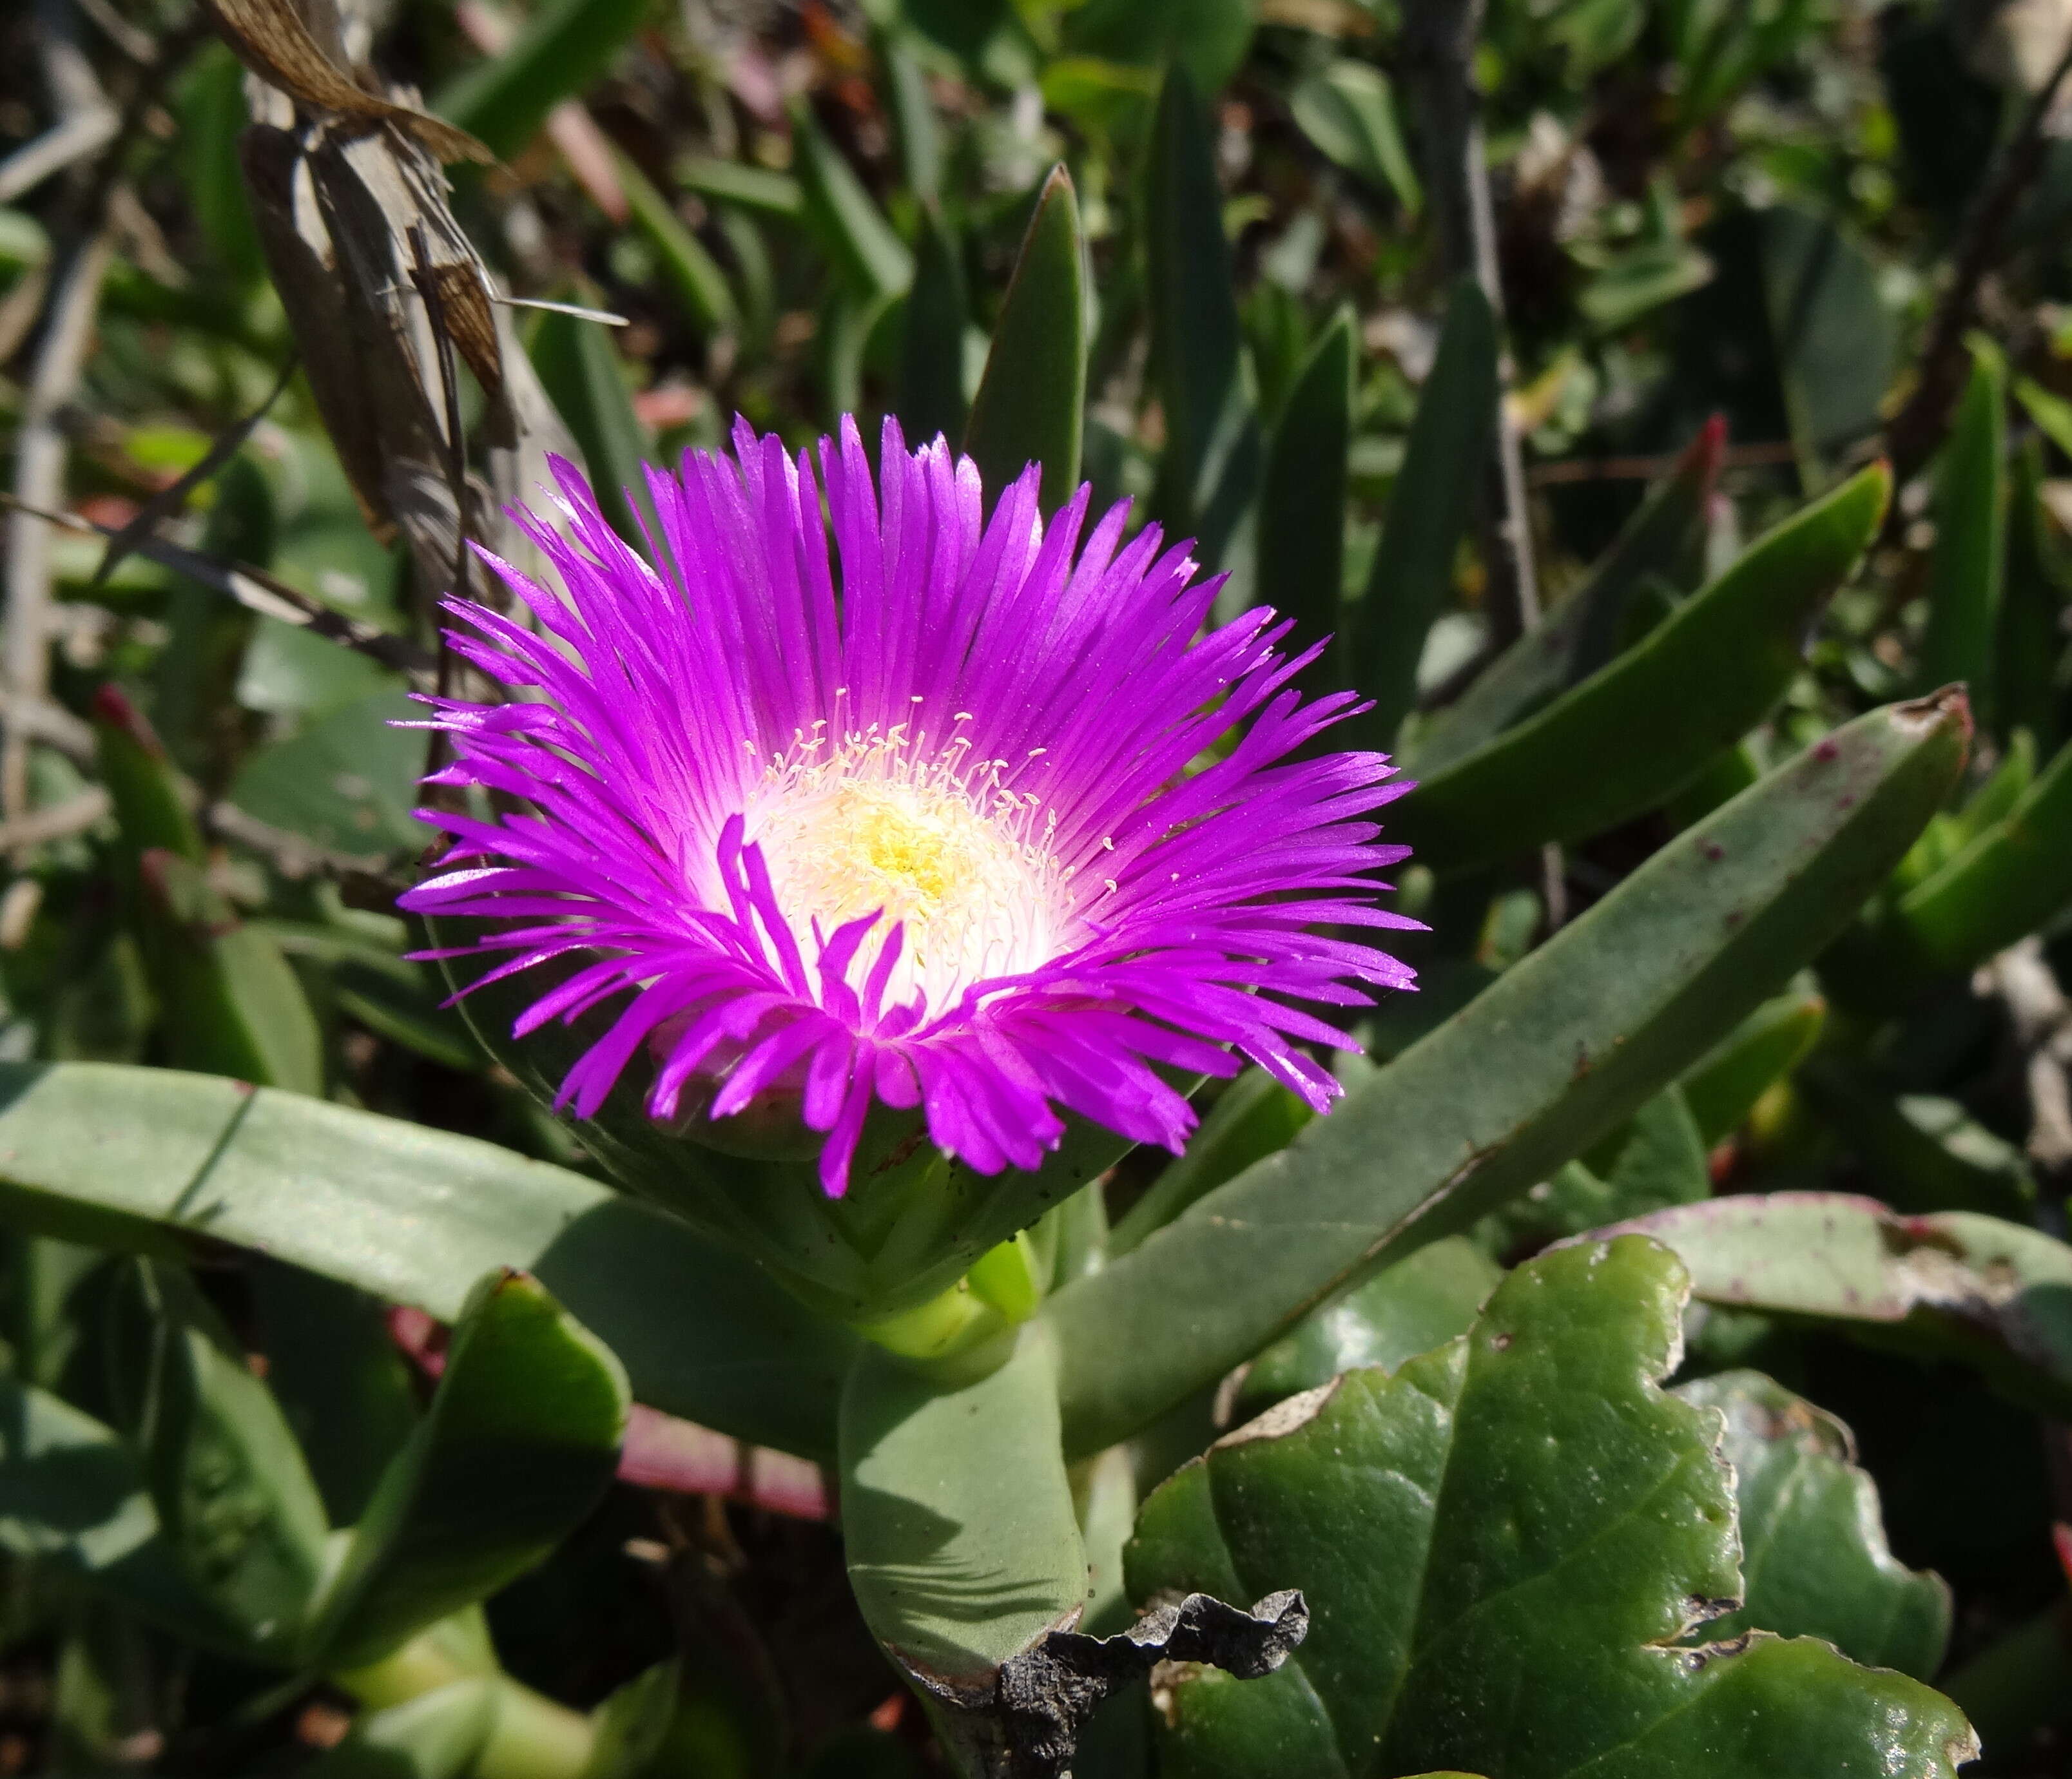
column 533, row 1736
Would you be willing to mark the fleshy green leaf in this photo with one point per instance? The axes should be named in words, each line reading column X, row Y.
column 1834, row 336
column 1429, row 505
column 932, row 362
column 1423, row 1301
column 1346, row 108
column 530, row 1398
column 564, row 47
column 1925, row 1153
column 1996, row 1294
column 693, row 273
column 2031, row 638
column 1212, row 461
column 136, row 1158
column 1031, row 403
column 1725, row 1084
column 579, row 368
column 1708, row 673
column 957, row 1516
column 438, row 1735
column 347, row 783
column 1498, row 1542
column 1253, row 1117
column 851, row 228
column 1969, row 563
column 1581, row 634
column 1814, row 1558
column 1545, row 1062
column 1301, row 534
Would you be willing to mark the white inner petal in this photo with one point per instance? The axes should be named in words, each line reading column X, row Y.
column 926, row 834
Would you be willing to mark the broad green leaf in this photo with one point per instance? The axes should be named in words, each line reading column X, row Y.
column 347, row 783
column 1628, row 736
column 1581, row 634
column 1994, row 1293
column 1211, row 463
column 1725, row 1084
column 692, row 271
column 564, row 47
column 1498, row 1543
column 1834, row 337
column 438, row 1735
column 1301, row 534
column 1030, row 407
column 236, row 1503
column 580, row 369
column 1346, row 109
column 1423, row 1301
column 1429, row 505
column 1924, row 1153
column 1966, row 572
column 957, row 1518
column 2033, row 603
column 1815, row 1562
column 531, row 1401
column 138, row 1158
column 932, row 354
column 1547, row 1060
column 851, row 229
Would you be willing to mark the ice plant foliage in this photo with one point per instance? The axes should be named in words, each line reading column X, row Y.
column 972, row 817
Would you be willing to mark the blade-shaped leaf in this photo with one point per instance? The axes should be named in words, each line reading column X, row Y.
column 1557, row 1052
column 1814, row 1558
column 135, row 1158
column 931, row 366
column 1703, row 677
column 1969, row 565
column 530, row 1399
column 1499, row 1541
column 692, row 271
column 1211, row 460
column 851, row 229
column 579, row 368
column 1995, row 1293
column 1428, row 508
column 1031, row 403
column 1301, row 534
column 564, row 46
column 1723, row 1087
column 1581, row 634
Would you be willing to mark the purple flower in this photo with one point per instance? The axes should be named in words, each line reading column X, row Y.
column 978, row 829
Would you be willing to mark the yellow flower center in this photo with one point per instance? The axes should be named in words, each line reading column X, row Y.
column 930, row 839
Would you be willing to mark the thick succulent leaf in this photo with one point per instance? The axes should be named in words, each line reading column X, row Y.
column 1992, row 1292
column 1424, row 1301
column 1581, row 634
column 528, row 1397
column 2010, row 880
column 1833, row 333
column 348, row 782
column 142, row 1158
column 1211, row 459
column 1969, row 566
column 72, row 1497
column 438, row 1735
column 564, row 47
column 1253, row 1117
column 1546, row 1061
column 957, row 1518
column 1301, row 534
column 1428, row 508
column 931, row 344
column 1722, row 1088
column 1924, row 1153
column 1031, row 403
column 580, row 368
column 236, row 1501
column 1815, row 1562
column 1697, row 682
column 1500, row 1542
